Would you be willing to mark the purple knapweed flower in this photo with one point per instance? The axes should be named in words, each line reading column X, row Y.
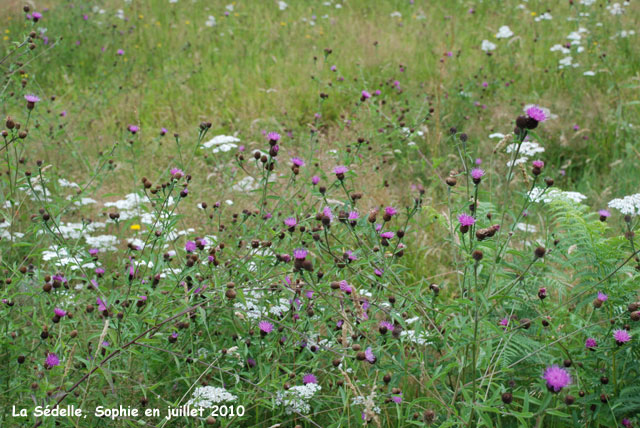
column 397, row 398
column 51, row 361
column 176, row 173
column 290, row 222
column 32, row 98
column 102, row 305
column 300, row 253
column 190, row 246
column 477, row 174
column 60, row 312
column 344, row 286
column 297, row 161
column 368, row 354
column 120, row 52
column 386, row 324
column 365, row 95
column 390, row 211
column 387, row 235
column 538, row 164
column 36, row 16
column 556, row 377
column 590, row 343
column 315, row 180
column 621, row 336
column 265, row 327
column 273, row 136
column 133, row 129
column 536, row 113
column 602, row 297
column 309, row 378
column 466, row 220
column 93, row 252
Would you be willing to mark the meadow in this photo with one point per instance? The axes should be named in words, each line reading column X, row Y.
column 303, row 213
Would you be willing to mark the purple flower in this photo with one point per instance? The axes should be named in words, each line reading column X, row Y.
column 32, row 98
column 504, row 322
column 390, row 211
column 273, row 136
column 341, row 169
column 333, row 68
column 52, row 360
column 102, row 305
column 309, row 378
column 297, row 161
column 344, row 286
column 365, row 95
column 300, row 253
column 538, row 164
column 190, row 246
column 536, row 113
column 477, row 174
column 133, row 129
column 120, row 52
column 353, row 215
column 389, row 326
column 176, row 173
column 602, row 297
column 626, row 423
column 466, row 220
column 556, row 378
column 590, row 343
column 397, row 398
column 350, row 256
column 368, row 354
column 621, row 336
column 37, row 16
column 315, row 180
column 265, row 327
column 93, row 252
column 378, row 272
column 604, row 214
column 387, row 235
column 59, row 312
column 290, row 222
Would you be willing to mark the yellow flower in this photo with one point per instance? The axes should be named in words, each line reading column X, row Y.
column 5, row 38
column 533, row 14
column 140, row 16
column 283, row 24
column 135, row 227
column 7, row 31
column 187, row 22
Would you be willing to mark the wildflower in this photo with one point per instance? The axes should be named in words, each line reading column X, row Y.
column 602, row 297
column 297, row 161
column 190, row 246
column 590, row 343
column 290, row 222
column 163, row 131
column 621, row 336
column 120, row 52
column 537, row 167
column 368, row 354
column 340, row 171
column 265, row 327
column 476, row 175
column 208, row 396
column 390, row 212
column 176, row 173
column 542, row 293
column 629, row 205
column 604, row 215
column 273, row 138
column 135, row 227
column 309, row 378
column 504, row 322
column 487, row 46
column 504, row 32
column 59, row 312
column 556, row 378
column 397, row 398
column 36, row 16
column 315, row 180
column 51, row 361
column 133, row 129
column 386, row 325
column 387, row 235
column 300, row 253
column 102, row 305
column 364, row 96
column 344, row 286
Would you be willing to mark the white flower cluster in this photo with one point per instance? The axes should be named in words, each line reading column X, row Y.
column 207, row 396
column 504, row 32
column 255, row 309
column 296, row 399
column 628, row 205
column 539, row 195
column 527, row 150
column 487, row 46
column 417, row 338
column 221, row 143
column 367, row 402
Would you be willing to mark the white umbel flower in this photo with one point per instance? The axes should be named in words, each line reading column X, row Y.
column 629, row 205
column 296, row 399
column 208, row 396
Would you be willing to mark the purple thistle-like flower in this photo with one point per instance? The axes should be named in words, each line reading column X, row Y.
column 477, row 173
column 102, row 305
column 340, row 169
column 378, row 272
column 390, row 211
column 389, row 326
column 626, row 423
column 273, row 136
column 344, row 286
column 300, row 253
column 290, row 222
column 265, row 327
column 32, row 98
column 538, row 164
column 315, row 180
column 176, row 173
column 621, row 336
column 368, row 354
column 326, row 211
column 353, row 215
column 365, row 95
column 536, row 113
column 397, row 398
column 590, row 343
column 93, row 252
column 133, row 128
column 387, row 235
column 504, row 322
column 602, row 297
column 352, row 257
column 297, row 161
column 163, row 131
column 466, row 220
column 556, row 377
column 52, row 360
column 309, row 378
column 36, row 16
column 120, row 52
column 60, row 312
column 190, row 246
column 604, row 213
